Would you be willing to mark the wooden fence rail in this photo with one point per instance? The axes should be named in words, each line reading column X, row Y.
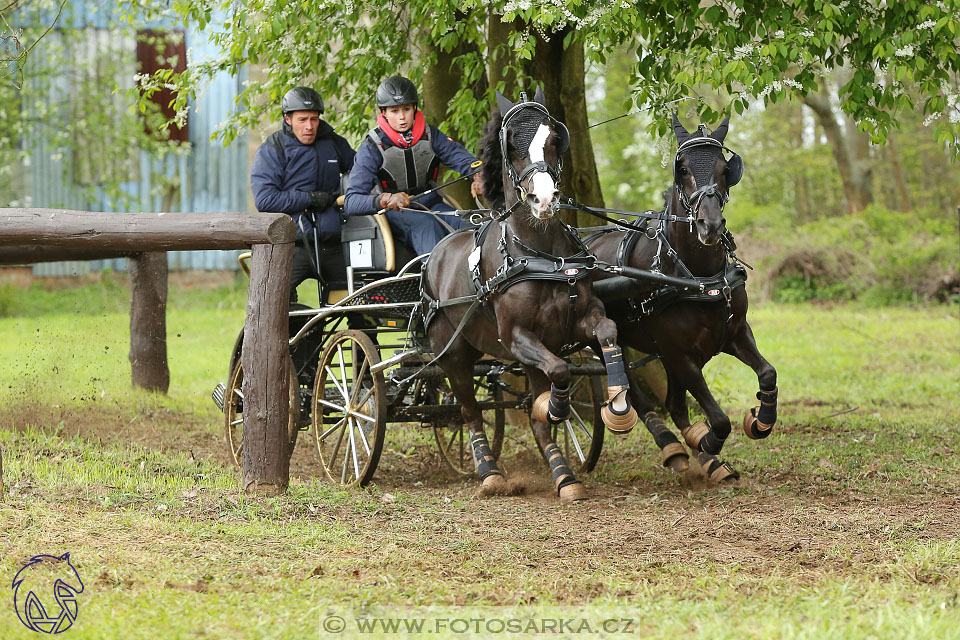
column 40, row 235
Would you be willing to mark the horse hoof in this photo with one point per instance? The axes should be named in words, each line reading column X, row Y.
column 674, row 457
column 619, row 423
column 694, row 434
column 494, row 485
column 715, row 471
column 755, row 429
column 572, row 492
column 540, row 407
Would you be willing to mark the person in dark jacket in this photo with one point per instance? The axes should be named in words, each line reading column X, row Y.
column 400, row 159
column 297, row 171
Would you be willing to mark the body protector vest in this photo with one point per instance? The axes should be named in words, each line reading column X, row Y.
column 407, row 169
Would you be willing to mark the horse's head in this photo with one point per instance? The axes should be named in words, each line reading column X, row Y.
column 703, row 177
column 531, row 142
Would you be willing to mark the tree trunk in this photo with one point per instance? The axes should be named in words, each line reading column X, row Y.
column 820, row 105
column 581, row 176
column 440, row 85
column 801, row 185
column 148, row 321
column 501, row 63
column 266, row 374
column 903, row 192
column 861, row 163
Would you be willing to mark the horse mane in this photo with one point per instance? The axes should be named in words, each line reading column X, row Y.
column 668, row 195
column 491, row 176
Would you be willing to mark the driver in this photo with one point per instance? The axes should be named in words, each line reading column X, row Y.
column 297, row 171
column 398, row 160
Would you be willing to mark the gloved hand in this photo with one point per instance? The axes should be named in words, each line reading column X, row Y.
column 320, row 199
column 394, row 201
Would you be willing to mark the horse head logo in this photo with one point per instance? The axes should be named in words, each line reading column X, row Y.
column 53, row 579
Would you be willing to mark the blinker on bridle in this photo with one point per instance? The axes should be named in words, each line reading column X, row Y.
column 534, row 167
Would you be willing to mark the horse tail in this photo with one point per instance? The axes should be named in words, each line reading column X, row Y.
column 492, row 173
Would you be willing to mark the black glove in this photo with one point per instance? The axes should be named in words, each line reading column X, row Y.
column 320, row 200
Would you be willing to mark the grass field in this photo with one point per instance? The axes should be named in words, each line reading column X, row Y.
column 844, row 525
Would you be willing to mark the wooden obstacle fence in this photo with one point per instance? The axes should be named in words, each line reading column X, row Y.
column 44, row 235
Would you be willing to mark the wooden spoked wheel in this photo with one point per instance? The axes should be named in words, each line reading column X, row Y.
column 580, row 437
column 453, row 437
column 233, row 413
column 349, row 409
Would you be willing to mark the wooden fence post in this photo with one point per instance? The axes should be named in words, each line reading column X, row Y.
column 148, row 321
column 31, row 235
column 266, row 358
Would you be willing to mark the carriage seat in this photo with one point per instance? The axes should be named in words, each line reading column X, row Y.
column 369, row 248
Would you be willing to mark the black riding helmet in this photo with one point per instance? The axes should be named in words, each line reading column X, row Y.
column 395, row 91
column 301, row 99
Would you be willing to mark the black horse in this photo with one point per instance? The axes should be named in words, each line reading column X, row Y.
column 517, row 288
column 687, row 329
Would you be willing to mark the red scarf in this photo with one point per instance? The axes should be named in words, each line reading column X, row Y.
column 419, row 127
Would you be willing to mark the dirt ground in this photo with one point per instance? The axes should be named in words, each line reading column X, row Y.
column 784, row 524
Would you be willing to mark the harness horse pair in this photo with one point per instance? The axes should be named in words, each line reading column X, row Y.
column 523, row 287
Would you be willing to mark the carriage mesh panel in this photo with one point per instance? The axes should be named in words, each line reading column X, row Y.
column 390, row 293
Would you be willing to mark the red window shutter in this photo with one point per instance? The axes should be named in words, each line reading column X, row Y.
column 164, row 50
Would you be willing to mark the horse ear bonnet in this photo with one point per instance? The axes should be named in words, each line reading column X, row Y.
column 702, row 158
column 503, row 104
column 525, row 121
column 539, row 97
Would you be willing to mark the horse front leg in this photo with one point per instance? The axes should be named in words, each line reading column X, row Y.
column 458, row 363
column 758, row 422
column 705, row 438
column 543, row 368
column 618, row 413
column 492, row 480
column 672, row 454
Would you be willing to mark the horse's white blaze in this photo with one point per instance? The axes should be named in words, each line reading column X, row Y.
column 543, row 186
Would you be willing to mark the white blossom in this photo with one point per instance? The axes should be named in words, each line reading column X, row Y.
column 516, row 5
column 927, row 24
column 905, row 51
column 743, row 51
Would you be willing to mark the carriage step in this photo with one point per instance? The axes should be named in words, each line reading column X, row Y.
column 218, row 394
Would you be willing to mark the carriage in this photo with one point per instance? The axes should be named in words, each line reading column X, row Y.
column 348, row 384
column 370, row 356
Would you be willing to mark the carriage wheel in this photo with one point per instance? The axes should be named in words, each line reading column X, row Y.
column 580, row 437
column 233, row 412
column 453, row 437
column 349, row 409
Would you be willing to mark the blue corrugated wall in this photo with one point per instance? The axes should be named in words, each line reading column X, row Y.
column 212, row 177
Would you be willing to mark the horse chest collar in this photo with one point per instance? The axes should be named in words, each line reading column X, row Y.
column 532, row 264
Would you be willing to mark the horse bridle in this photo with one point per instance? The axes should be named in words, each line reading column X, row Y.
column 691, row 205
column 534, row 167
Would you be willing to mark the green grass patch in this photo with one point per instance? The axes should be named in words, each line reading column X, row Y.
column 843, row 526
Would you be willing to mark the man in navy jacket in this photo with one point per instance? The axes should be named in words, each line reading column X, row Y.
column 297, row 171
column 398, row 160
